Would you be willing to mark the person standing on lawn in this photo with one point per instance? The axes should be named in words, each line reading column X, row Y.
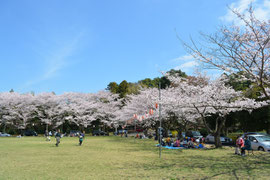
column 58, row 137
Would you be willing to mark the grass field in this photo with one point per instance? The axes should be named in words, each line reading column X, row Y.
column 122, row 158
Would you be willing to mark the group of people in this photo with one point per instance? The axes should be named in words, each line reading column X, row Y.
column 242, row 144
column 185, row 143
column 58, row 136
column 140, row 136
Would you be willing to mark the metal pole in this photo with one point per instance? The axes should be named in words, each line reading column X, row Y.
column 135, row 130
column 160, row 133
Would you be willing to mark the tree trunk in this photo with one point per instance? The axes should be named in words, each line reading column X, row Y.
column 220, row 123
column 218, row 143
column 81, row 128
column 268, row 130
column 180, row 134
column 226, row 131
column 165, row 131
column 4, row 129
column 145, row 132
column 267, row 127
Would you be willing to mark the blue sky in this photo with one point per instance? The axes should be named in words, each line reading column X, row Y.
column 81, row 46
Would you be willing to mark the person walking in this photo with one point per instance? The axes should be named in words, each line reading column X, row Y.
column 81, row 136
column 58, row 137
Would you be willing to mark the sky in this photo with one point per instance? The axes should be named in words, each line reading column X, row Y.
column 83, row 45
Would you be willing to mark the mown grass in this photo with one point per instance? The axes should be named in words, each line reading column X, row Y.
column 122, row 158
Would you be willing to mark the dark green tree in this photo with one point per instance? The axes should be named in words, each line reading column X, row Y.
column 123, row 89
column 112, row 87
column 133, row 88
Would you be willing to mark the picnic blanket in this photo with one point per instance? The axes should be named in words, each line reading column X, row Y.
column 170, row 147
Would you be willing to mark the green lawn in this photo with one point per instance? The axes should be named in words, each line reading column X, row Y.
column 122, row 158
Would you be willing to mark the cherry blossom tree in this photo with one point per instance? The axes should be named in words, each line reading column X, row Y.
column 17, row 109
column 48, row 109
column 203, row 100
column 236, row 49
column 79, row 108
column 107, row 105
column 140, row 105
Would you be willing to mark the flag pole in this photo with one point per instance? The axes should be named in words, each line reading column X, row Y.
column 160, row 133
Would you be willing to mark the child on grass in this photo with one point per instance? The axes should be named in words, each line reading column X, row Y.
column 80, row 139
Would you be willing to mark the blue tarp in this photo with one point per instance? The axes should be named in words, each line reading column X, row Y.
column 170, row 147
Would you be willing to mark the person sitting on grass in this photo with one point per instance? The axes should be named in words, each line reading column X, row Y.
column 247, row 146
column 201, row 146
column 176, row 143
column 202, row 140
column 241, row 145
column 238, row 143
column 184, row 143
column 191, row 144
column 163, row 143
column 168, row 141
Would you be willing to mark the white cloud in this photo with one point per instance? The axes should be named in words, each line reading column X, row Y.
column 261, row 10
column 55, row 61
column 183, row 58
column 191, row 66
column 58, row 61
column 188, row 65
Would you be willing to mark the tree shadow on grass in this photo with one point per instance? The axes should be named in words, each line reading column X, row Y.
column 233, row 165
column 211, row 163
column 211, row 166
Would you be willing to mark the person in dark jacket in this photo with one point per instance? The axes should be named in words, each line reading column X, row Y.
column 81, row 137
column 58, row 137
column 247, row 146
